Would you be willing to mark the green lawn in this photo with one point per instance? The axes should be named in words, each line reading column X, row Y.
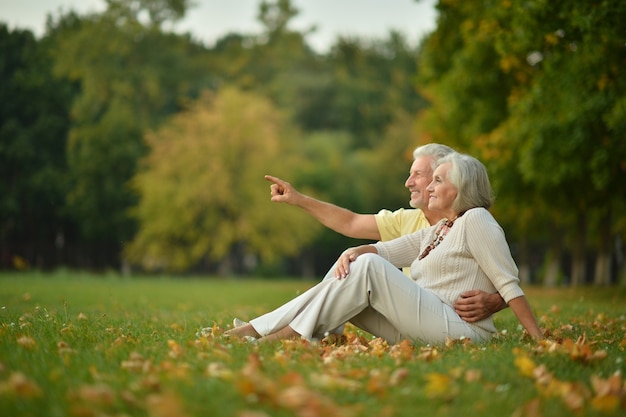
column 82, row 345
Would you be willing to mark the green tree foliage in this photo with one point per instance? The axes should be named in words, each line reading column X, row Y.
column 203, row 196
column 357, row 88
column 279, row 64
column 131, row 74
column 126, row 74
column 459, row 74
column 533, row 88
column 33, row 126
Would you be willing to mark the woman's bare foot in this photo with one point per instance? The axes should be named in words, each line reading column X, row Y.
column 282, row 334
column 243, row 331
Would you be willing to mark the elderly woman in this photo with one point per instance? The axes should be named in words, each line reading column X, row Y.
column 464, row 251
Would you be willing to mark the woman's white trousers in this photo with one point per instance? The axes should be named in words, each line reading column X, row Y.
column 376, row 297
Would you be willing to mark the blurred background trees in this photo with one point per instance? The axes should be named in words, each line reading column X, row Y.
column 123, row 145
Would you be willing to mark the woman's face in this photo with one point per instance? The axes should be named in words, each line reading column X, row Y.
column 442, row 192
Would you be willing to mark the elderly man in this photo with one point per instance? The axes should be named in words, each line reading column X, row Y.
column 386, row 225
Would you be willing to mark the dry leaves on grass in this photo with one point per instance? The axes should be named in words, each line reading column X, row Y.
column 603, row 394
column 308, row 379
column 290, row 392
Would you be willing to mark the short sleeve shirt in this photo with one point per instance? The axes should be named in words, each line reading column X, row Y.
column 393, row 224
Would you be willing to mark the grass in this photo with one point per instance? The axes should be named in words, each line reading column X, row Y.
column 80, row 345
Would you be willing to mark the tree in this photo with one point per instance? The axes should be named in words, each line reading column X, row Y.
column 131, row 75
column 568, row 59
column 203, row 198
column 33, row 128
column 533, row 89
column 373, row 82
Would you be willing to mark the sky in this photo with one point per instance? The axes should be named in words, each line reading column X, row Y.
column 209, row 20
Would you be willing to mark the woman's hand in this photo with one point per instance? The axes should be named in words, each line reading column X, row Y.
column 348, row 256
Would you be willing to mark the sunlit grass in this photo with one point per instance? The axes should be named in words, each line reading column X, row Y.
column 81, row 345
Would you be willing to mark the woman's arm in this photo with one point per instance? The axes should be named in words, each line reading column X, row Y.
column 348, row 256
column 402, row 251
column 524, row 314
column 488, row 246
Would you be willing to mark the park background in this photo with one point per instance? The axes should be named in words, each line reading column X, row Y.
column 127, row 147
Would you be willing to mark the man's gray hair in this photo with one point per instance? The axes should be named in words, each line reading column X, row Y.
column 433, row 150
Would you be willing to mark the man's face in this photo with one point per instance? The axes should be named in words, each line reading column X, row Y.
column 420, row 176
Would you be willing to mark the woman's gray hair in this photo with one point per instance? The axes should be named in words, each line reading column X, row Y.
column 433, row 150
column 471, row 180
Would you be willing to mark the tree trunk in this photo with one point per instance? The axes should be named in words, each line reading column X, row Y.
column 226, row 266
column 602, row 274
column 579, row 249
column 307, row 264
column 524, row 266
column 553, row 268
column 620, row 250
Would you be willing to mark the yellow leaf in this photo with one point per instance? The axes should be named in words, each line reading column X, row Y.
column 440, row 386
column 551, row 39
column 525, row 365
column 607, row 403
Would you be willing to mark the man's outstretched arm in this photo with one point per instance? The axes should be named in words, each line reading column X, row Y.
column 476, row 305
column 341, row 220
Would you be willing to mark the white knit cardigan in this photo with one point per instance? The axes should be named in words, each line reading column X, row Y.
column 474, row 255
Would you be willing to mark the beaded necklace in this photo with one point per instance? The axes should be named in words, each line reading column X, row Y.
column 440, row 233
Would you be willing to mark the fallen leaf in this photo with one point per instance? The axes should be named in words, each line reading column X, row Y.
column 441, row 386
column 99, row 395
column 165, row 405
column 524, row 364
column 402, row 351
column 252, row 413
column 326, row 381
column 219, row 370
column 608, row 392
column 530, row 409
column 398, row 376
column 428, row 353
column 473, row 375
column 27, row 342
column 377, row 383
column 20, row 385
column 175, row 350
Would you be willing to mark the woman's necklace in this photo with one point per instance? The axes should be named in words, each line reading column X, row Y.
column 440, row 233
